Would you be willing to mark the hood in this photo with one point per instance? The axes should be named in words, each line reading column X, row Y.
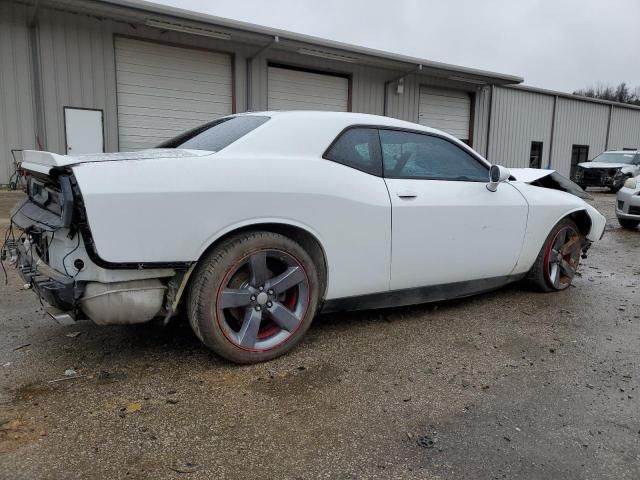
column 43, row 162
column 548, row 179
column 602, row 165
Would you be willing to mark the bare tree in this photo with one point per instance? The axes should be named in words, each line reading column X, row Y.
column 620, row 93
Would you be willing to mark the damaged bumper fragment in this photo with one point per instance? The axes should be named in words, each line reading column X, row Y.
column 53, row 287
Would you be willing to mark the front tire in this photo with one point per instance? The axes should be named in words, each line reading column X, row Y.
column 558, row 259
column 253, row 297
column 630, row 224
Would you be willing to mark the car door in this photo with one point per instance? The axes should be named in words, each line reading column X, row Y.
column 446, row 225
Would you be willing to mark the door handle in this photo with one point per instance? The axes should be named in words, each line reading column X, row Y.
column 408, row 194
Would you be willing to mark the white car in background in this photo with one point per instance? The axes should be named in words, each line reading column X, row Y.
column 609, row 169
column 628, row 204
column 256, row 222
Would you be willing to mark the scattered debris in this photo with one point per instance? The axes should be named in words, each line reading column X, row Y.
column 184, row 467
column 20, row 347
column 70, row 373
column 66, row 378
column 73, row 334
column 425, row 441
column 133, row 407
column 172, row 401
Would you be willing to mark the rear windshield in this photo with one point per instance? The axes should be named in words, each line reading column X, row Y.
column 216, row 135
column 608, row 157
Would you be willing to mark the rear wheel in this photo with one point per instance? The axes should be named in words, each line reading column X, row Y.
column 254, row 297
column 558, row 260
column 626, row 223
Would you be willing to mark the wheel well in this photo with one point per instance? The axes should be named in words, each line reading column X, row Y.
column 305, row 239
column 583, row 221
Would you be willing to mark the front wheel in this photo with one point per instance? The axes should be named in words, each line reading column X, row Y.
column 558, row 259
column 254, row 297
column 626, row 223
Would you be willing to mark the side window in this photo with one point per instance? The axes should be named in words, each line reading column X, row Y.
column 357, row 148
column 415, row 155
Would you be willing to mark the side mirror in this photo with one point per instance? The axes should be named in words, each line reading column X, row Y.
column 497, row 175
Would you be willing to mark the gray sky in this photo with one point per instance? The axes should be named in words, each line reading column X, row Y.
column 561, row 44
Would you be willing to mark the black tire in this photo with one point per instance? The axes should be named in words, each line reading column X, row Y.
column 229, row 269
column 630, row 224
column 540, row 275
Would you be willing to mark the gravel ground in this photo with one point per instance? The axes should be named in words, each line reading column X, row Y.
column 510, row 384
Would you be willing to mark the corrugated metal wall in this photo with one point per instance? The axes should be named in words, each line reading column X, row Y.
column 625, row 129
column 578, row 123
column 518, row 119
column 76, row 58
column 78, row 65
column 17, row 120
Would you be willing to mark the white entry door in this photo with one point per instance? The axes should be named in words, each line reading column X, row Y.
column 84, row 131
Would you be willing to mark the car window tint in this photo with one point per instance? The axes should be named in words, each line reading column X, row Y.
column 357, row 148
column 415, row 155
column 216, row 135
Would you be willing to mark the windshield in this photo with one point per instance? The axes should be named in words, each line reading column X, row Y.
column 609, row 157
column 216, row 135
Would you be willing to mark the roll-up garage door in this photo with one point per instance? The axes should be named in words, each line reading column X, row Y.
column 446, row 110
column 164, row 90
column 299, row 90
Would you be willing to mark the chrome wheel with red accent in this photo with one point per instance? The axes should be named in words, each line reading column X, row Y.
column 559, row 258
column 254, row 297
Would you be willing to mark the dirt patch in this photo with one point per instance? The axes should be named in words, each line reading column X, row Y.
column 16, row 432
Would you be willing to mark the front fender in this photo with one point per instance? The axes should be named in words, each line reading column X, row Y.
column 546, row 208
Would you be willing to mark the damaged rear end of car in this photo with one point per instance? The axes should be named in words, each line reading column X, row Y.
column 51, row 244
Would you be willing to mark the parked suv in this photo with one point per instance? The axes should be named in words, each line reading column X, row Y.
column 628, row 203
column 609, row 169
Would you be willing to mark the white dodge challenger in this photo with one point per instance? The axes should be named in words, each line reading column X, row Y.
column 255, row 222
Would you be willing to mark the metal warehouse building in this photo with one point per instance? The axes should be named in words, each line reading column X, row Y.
column 80, row 75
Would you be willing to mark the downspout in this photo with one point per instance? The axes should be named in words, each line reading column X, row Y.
column 36, row 79
column 489, row 121
column 606, row 141
column 276, row 39
column 389, row 82
column 553, row 128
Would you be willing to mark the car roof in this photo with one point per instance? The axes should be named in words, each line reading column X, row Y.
column 308, row 132
column 352, row 118
column 628, row 152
